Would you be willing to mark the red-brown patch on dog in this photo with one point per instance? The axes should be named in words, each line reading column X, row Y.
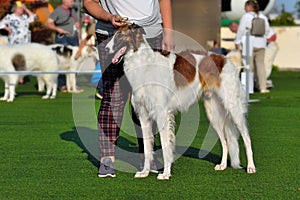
column 219, row 61
column 184, row 69
column 210, row 68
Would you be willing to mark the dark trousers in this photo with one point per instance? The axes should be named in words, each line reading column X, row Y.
column 115, row 94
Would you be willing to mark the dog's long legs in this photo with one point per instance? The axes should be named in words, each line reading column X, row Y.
column 216, row 115
column 167, row 137
column 240, row 121
column 12, row 80
column 41, row 83
column 54, row 87
column 146, row 124
column 6, row 90
column 73, row 82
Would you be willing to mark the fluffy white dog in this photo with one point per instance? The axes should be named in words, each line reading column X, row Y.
column 27, row 57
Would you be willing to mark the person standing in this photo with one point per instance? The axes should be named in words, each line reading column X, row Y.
column 257, row 63
column 153, row 16
column 270, row 55
column 17, row 24
column 64, row 22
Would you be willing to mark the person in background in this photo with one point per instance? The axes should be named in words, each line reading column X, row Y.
column 17, row 24
column 216, row 48
column 270, row 55
column 233, row 26
column 64, row 22
column 270, row 51
column 257, row 63
column 152, row 15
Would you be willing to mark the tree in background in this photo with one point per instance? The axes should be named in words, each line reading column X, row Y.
column 285, row 19
column 4, row 7
column 297, row 6
column 55, row 3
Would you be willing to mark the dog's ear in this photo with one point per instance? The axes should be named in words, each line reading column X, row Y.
column 138, row 28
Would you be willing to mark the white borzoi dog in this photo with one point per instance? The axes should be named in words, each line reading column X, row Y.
column 163, row 84
column 27, row 57
column 67, row 61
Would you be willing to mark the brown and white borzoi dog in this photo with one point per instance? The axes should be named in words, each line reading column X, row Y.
column 164, row 84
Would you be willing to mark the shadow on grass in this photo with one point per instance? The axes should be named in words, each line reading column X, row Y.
column 29, row 93
column 72, row 136
column 128, row 146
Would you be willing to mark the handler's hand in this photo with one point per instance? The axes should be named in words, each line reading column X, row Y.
column 168, row 40
column 117, row 21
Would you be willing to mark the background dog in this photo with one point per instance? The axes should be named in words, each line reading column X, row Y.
column 69, row 60
column 163, row 84
column 28, row 57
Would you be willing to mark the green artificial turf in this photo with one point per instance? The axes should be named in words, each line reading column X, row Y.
column 43, row 155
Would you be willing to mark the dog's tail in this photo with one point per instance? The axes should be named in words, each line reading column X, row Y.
column 232, row 136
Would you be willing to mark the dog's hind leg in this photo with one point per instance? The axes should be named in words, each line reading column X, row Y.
column 47, row 79
column 41, row 83
column 167, row 137
column 216, row 115
column 236, row 107
column 240, row 121
column 53, row 85
column 146, row 124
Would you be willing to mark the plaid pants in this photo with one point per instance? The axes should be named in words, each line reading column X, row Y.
column 115, row 93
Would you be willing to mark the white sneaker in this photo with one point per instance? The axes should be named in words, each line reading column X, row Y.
column 264, row 91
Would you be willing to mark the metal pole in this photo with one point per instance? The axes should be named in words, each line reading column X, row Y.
column 248, row 68
column 247, row 64
column 49, row 72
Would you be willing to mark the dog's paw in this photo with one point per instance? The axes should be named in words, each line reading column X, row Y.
column 52, row 97
column 220, row 167
column 251, row 170
column 141, row 174
column 45, row 97
column 163, row 176
column 3, row 99
column 10, row 100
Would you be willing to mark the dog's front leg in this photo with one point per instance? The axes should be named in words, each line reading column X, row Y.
column 11, row 93
column 6, row 90
column 167, row 137
column 148, row 147
column 68, row 83
column 13, row 79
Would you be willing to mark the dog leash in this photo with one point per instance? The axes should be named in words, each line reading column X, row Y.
column 123, row 20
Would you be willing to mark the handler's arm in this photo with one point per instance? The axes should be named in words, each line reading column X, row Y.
column 166, row 13
column 94, row 9
column 51, row 25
